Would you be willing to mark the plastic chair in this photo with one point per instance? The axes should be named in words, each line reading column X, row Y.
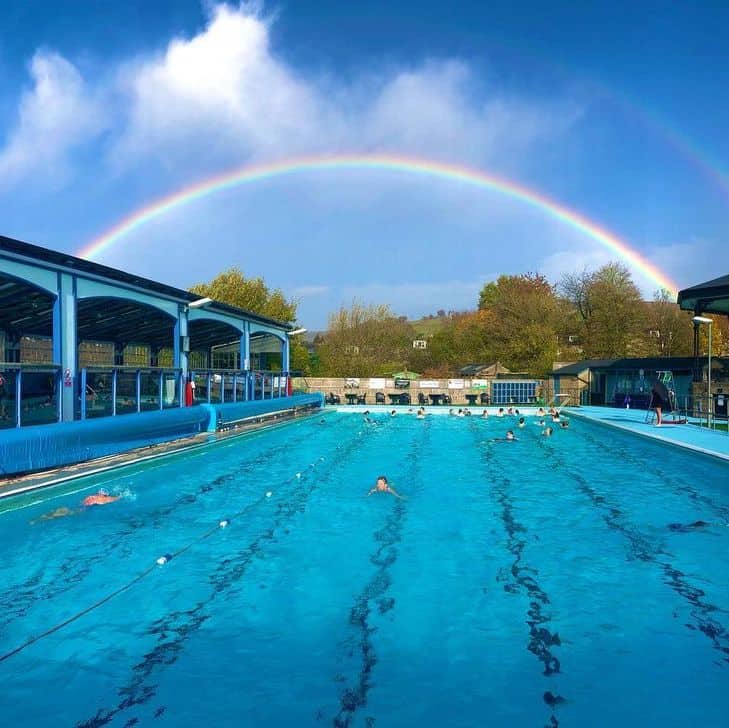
column 361, row 399
column 380, row 398
column 484, row 398
column 422, row 399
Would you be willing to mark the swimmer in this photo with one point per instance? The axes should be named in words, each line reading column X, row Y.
column 460, row 413
column 510, row 435
column 485, row 414
column 517, row 413
column 540, row 412
column 382, row 486
column 421, row 414
column 564, row 424
column 58, row 513
column 99, row 499
column 522, row 422
column 451, row 412
column 392, row 413
column 500, row 412
column 540, row 423
column 467, row 412
column 547, row 432
column 686, row 527
column 510, row 411
column 555, row 417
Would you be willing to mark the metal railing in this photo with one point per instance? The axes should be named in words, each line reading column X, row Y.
column 220, row 386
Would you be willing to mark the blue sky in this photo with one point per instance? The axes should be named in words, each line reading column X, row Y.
column 617, row 110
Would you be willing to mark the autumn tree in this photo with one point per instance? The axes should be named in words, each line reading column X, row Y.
column 365, row 340
column 524, row 320
column 669, row 329
column 609, row 308
column 251, row 294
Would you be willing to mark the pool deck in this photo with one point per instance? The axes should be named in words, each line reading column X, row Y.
column 688, row 436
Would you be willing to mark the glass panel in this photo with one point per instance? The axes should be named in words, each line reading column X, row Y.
column 170, row 390
column 39, row 404
column 165, row 357
column 98, row 393
column 150, row 391
column 7, row 397
column 126, row 392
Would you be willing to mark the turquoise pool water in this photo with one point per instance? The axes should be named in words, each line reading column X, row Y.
column 531, row 583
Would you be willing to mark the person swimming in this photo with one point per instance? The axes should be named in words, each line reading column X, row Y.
column 393, row 413
column 500, row 412
column 687, row 527
column 101, row 498
column 382, row 486
column 547, row 432
column 564, row 424
column 421, row 414
column 485, row 414
column 522, row 422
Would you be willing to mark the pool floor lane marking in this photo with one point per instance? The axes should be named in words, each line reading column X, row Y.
column 173, row 630
column 643, row 550
column 541, row 639
column 374, row 591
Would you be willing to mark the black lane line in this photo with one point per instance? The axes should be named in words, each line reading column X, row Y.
column 643, row 465
column 541, row 639
column 18, row 599
column 173, row 630
column 374, row 592
column 641, row 549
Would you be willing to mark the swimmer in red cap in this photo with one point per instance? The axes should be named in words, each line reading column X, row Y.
column 99, row 499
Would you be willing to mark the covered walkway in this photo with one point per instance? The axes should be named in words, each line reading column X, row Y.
column 81, row 340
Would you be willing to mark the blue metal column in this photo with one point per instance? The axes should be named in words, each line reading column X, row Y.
column 64, row 342
column 179, row 356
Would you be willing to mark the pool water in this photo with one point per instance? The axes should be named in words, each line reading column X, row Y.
column 533, row 583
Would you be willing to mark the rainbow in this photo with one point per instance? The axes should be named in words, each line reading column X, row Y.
column 380, row 162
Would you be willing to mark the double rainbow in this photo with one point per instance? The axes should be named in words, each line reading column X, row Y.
column 381, row 162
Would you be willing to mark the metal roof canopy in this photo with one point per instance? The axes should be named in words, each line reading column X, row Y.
column 56, row 260
column 25, row 309
column 709, row 297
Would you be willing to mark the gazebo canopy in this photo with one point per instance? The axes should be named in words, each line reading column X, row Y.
column 709, row 297
column 406, row 375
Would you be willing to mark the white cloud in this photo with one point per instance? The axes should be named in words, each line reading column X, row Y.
column 55, row 116
column 224, row 97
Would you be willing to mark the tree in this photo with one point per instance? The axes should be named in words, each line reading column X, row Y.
column 609, row 310
column 251, row 294
column 524, row 320
column 670, row 330
column 364, row 340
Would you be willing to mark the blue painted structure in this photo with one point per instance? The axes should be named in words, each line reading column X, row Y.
column 71, row 301
column 43, row 447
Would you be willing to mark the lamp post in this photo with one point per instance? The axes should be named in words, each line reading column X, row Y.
column 708, row 322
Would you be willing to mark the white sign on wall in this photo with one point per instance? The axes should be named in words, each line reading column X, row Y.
column 429, row 384
column 480, row 383
column 455, row 384
column 376, row 383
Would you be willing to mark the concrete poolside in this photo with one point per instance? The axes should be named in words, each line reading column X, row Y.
column 688, row 436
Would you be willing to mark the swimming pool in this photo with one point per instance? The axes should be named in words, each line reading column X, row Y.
column 527, row 583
